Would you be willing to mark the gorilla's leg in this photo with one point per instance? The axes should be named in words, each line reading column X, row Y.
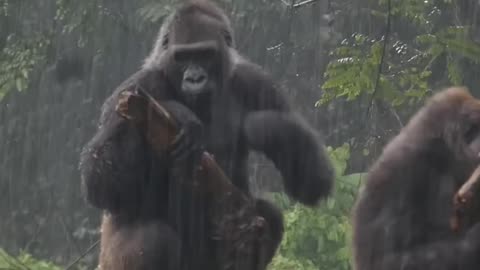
column 140, row 246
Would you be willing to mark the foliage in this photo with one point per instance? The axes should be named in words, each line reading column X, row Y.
column 24, row 48
column 73, row 17
column 4, row 5
column 412, row 60
column 318, row 238
column 17, row 61
column 355, row 68
column 283, row 263
column 154, row 12
column 81, row 18
column 24, row 262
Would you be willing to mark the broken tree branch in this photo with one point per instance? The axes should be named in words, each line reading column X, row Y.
column 162, row 130
column 306, row 2
column 463, row 197
column 233, row 214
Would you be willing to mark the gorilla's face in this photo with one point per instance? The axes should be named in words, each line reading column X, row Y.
column 197, row 67
column 458, row 114
column 198, row 54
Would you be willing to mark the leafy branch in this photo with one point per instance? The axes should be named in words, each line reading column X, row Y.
column 382, row 58
column 17, row 61
column 405, row 77
column 317, row 238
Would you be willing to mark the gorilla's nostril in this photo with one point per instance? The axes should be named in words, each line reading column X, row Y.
column 201, row 78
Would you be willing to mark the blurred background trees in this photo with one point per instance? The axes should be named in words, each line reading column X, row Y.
column 356, row 68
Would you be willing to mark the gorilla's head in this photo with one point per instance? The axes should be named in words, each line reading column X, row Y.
column 194, row 49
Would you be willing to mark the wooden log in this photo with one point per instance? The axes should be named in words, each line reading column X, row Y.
column 143, row 110
column 161, row 131
column 237, row 228
column 463, row 197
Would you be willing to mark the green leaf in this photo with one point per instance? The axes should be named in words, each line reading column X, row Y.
column 19, row 84
column 24, row 73
column 354, row 179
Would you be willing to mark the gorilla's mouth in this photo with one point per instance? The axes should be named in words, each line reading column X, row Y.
column 194, row 88
column 197, row 94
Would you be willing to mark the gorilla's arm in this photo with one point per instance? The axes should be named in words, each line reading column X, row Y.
column 402, row 223
column 284, row 137
column 114, row 163
column 444, row 254
column 296, row 152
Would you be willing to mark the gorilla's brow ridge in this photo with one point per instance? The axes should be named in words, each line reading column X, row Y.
column 203, row 7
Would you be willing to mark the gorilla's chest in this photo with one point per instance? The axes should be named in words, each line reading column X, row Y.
column 224, row 133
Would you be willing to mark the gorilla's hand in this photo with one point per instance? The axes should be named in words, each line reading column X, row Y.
column 189, row 143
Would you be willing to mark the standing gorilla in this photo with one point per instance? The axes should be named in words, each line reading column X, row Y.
column 195, row 69
column 402, row 217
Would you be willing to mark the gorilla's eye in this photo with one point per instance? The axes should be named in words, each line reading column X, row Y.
column 228, row 40
column 165, row 42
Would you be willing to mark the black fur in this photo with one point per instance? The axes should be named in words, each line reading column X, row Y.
column 402, row 217
column 241, row 110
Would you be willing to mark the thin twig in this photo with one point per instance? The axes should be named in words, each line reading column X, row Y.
column 286, row 41
column 395, row 114
column 306, row 2
column 83, row 255
column 39, row 227
column 290, row 17
column 274, row 47
column 247, row 37
column 68, row 233
column 33, row 238
column 385, row 41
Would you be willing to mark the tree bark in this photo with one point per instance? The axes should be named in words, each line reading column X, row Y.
column 463, row 198
column 237, row 228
